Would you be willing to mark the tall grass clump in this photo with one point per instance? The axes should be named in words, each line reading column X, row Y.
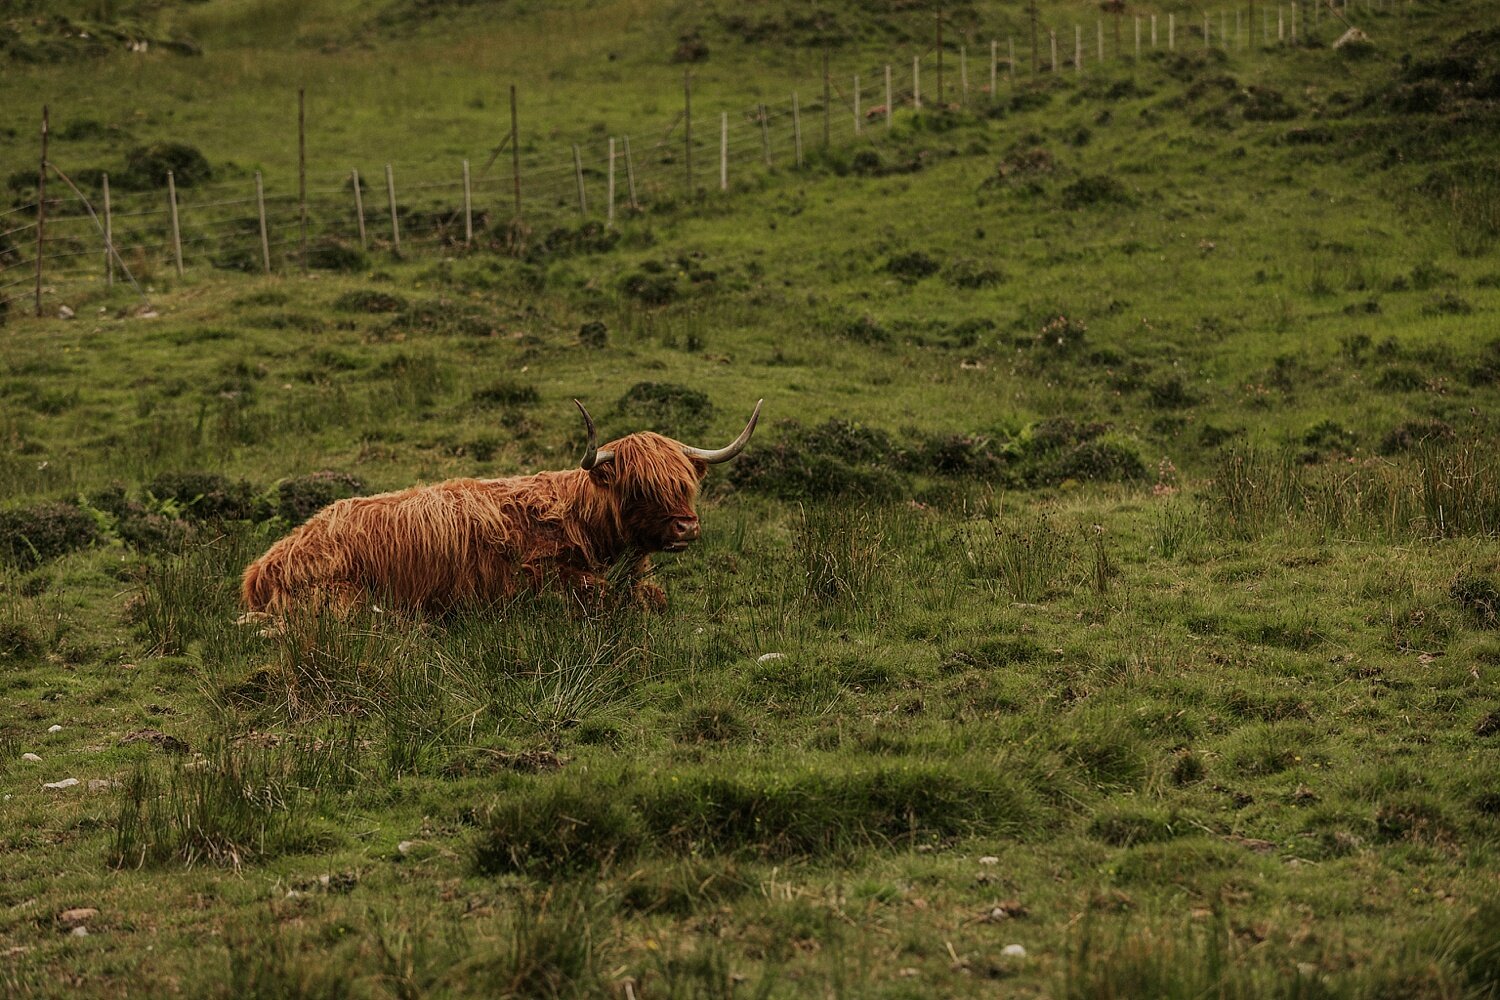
column 183, row 594
column 1025, row 557
column 839, row 549
column 237, row 805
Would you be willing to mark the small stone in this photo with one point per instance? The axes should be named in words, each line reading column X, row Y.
column 65, row 313
column 54, row 728
column 102, row 784
column 76, row 916
column 989, row 859
column 908, row 973
column 79, row 931
column 769, row 657
column 1307, row 969
column 1013, row 951
column 405, row 847
column 31, row 757
column 59, row 785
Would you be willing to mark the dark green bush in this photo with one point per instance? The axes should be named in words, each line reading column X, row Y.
column 1411, row 434
column 1095, row 461
column 1094, row 189
column 668, row 408
column 205, row 496
column 332, row 254
column 593, row 334
column 506, row 392
column 146, row 167
column 29, row 536
column 913, row 266
column 369, row 300
column 301, row 497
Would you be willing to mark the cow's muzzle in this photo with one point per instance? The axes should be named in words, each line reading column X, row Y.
column 681, row 532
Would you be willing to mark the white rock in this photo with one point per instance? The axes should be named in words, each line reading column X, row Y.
column 989, row 859
column 31, row 757
column 79, row 931
column 102, row 784
column 769, row 657
column 58, row 785
column 1013, row 951
column 54, row 729
column 405, row 847
column 65, row 313
column 1352, row 37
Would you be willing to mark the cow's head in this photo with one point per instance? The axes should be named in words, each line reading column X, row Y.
column 652, row 482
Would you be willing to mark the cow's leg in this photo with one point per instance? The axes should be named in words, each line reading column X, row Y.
column 645, row 592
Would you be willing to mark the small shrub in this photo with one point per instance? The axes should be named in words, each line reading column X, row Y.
column 557, row 830
column 1399, row 379
column 674, row 410
column 972, row 274
column 1095, row 461
column 301, row 497
column 711, row 722
column 146, row 167
column 1170, row 393
column 1265, row 104
column 1448, row 304
column 1478, row 595
column 1061, row 335
column 649, row 289
column 369, row 300
column 1093, row 190
column 204, row 496
column 912, row 267
column 332, row 254
column 30, row 536
column 506, row 392
column 1127, row 827
column 593, row 334
column 1413, row 434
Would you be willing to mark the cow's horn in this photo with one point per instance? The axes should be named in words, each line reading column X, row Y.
column 735, row 447
column 593, row 456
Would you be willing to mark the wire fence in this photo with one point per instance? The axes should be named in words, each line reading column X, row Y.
column 255, row 225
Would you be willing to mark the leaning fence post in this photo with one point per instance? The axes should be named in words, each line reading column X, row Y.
column 41, row 209
column 260, row 211
column 515, row 149
column 583, row 202
column 359, row 209
column 109, row 235
column 468, row 209
column 176, row 230
column 635, row 206
column 797, row 128
column 609, row 215
column 390, row 193
column 723, row 150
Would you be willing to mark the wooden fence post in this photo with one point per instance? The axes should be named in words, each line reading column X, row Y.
column 583, row 201
column 723, row 150
column 1099, row 33
column 359, row 209
column 1010, row 70
column 1172, row 32
column 1207, row 42
column 302, row 172
column 1138, row 36
column 963, row 76
column 176, row 229
column 994, row 68
column 109, row 235
column 515, row 149
column 1052, row 34
column 1153, row 31
column 635, row 206
column 858, row 125
column 390, row 193
column 916, row 82
column 687, row 128
column 610, row 212
column 260, row 211
column 1280, row 24
column 797, row 128
column 889, row 111
column 41, row 209
column 1294, row 24
column 827, row 101
column 765, row 135
column 1077, row 49
column 468, row 210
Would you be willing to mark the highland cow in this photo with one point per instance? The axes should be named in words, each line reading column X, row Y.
column 473, row 542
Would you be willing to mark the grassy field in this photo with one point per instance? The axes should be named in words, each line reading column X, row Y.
column 1115, row 574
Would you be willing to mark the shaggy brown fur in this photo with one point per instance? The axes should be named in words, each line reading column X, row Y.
column 472, row 542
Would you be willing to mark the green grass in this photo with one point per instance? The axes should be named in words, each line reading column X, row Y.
column 1114, row 572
